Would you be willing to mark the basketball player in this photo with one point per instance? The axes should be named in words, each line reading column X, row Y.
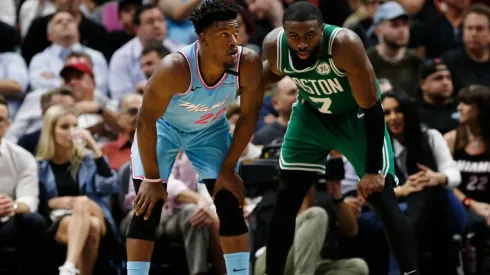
column 184, row 108
column 338, row 107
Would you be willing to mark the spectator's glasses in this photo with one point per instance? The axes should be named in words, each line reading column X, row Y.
column 131, row 111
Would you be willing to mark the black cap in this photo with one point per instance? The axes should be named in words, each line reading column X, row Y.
column 121, row 4
column 431, row 66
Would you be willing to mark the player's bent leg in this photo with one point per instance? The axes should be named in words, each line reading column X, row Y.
column 293, row 185
column 396, row 226
column 234, row 237
column 140, row 239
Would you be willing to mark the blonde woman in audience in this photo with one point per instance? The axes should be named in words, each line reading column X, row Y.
column 75, row 186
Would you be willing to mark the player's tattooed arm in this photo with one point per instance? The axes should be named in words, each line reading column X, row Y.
column 252, row 92
column 269, row 46
column 172, row 76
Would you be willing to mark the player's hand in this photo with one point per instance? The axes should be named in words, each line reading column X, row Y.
column 148, row 195
column 232, row 183
column 370, row 184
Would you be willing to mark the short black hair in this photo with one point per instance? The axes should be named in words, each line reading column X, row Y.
column 302, row 11
column 122, row 5
column 212, row 11
column 140, row 10
column 155, row 47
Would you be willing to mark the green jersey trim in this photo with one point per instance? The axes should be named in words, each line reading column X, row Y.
column 330, row 45
column 279, row 50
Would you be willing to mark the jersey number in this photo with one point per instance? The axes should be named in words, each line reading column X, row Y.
column 326, row 102
column 477, row 183
column 210, row 117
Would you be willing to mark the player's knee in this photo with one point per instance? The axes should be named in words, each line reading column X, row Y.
column 142, row 229
column 232, row 222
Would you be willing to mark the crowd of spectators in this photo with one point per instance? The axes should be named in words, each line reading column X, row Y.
column 72, row 77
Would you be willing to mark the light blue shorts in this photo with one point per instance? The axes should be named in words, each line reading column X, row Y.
column 206, row 149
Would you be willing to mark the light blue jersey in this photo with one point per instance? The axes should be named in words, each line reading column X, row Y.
column 201, row 105
column 194, row 122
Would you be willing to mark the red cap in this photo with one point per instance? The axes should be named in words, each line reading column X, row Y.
column 78, row 65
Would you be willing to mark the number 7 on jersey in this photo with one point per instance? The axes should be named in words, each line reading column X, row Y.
column 326, row 102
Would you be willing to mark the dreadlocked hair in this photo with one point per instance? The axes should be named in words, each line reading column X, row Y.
column 212, row 11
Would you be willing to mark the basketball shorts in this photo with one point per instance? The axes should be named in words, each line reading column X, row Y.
column 311, row 135
column 206, row 149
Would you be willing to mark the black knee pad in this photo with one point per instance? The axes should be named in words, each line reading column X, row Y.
column 142, row 229
column 230, row 214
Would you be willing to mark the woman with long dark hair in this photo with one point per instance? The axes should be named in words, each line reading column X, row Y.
column 426, row 171
column 470, row 146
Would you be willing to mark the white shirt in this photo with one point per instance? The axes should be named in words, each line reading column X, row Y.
column 442, row 156
column 349, row 183
column 52, row 60
column 19, row 174
column 13, row 67
column 29, row 117
column 125, row 68
column 31, row 10
column 8, row 12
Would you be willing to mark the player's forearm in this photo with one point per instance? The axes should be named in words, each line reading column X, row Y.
column 147, row 144
column 374, row 125
column 241, row 137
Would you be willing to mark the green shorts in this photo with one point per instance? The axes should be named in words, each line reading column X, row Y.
column 311, row 135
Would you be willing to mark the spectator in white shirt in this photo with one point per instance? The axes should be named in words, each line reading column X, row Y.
column 45, row 66
column 29, row 118
column 124, row 69
column 30, row 10
column 13, row 79
column 20, row 224
column 8, row 12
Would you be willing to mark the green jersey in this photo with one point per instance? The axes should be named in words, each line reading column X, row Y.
column 323, row 85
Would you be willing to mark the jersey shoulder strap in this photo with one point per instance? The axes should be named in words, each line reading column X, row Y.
column 329, row 33
column 282, row 51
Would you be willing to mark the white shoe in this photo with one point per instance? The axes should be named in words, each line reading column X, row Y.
column 68, row 270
